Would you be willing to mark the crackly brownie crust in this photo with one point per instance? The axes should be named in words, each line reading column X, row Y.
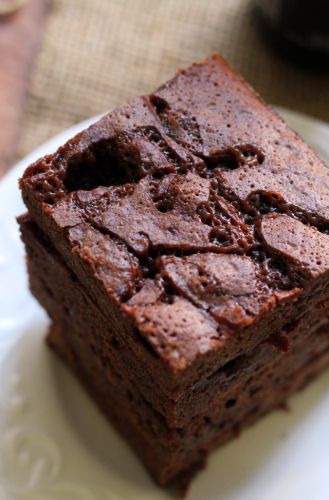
column 161, row 193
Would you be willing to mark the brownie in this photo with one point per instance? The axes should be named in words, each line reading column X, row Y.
column 180, row 246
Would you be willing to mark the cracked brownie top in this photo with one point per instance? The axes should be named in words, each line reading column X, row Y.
column 196, row 208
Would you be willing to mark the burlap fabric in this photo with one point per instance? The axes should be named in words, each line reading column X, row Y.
column 97, row 53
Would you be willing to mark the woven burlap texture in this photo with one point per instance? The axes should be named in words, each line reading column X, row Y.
column 98, row 53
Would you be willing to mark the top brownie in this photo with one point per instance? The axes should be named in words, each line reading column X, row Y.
column 193, row 215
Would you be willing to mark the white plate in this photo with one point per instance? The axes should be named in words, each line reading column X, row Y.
column 55, row 445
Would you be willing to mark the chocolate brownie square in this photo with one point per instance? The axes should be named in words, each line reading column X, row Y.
column 183, row 234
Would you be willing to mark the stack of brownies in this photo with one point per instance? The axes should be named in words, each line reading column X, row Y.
column 180, row 246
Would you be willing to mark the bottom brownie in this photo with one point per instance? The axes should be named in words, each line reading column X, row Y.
column 245, row 388
column 111, row 399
